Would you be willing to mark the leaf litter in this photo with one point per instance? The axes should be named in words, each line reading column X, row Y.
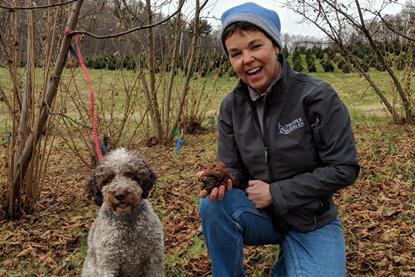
column 377, row 212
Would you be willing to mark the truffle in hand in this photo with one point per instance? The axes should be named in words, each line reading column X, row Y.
column 214, row 176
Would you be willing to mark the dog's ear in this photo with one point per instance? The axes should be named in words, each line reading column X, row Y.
column 93, row 190
column 149, row 182
column 101, row 177
column 143, row 175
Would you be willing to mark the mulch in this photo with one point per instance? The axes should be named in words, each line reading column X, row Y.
column 378, row 211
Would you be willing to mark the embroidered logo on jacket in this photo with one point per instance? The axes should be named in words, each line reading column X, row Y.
column 291, row 127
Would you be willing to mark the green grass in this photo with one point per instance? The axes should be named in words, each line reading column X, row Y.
column 76, row 259
column 352, row 88
column 197, row 248
column 174, row 266
column 111, row 86
column 357, row 95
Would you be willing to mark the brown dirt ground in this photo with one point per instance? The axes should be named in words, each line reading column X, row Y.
column 377, row 212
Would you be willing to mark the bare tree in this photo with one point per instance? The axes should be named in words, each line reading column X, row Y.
column 31, row 109
column 338, row 20
column 173, row 69
column 190, row 67
column 26, row 161
column 164, row 113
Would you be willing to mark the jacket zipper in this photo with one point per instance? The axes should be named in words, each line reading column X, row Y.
column 264, row 133
column 265, row 140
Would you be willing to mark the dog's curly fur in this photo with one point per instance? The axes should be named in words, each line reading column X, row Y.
column 122, row 162
column 126, row 239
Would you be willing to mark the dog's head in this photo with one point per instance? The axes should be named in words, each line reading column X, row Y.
column 122, row 178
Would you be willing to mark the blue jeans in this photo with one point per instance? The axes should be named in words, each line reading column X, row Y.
column 233, row 222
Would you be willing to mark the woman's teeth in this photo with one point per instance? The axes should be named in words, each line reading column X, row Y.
column 254, row 70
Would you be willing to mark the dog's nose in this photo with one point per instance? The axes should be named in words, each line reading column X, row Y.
column 120, row 195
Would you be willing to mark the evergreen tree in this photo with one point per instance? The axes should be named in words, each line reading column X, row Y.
column 318, row 52
column 285, row 52
column 297, row 63
column 344, row 65
column 330, row 53
column 311, row 65
column 111, row 63
column 327, row 65
column 298, row 66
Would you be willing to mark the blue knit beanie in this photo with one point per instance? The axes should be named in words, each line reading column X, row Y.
column 266, row 20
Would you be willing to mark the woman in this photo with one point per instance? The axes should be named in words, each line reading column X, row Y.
column 286, row 138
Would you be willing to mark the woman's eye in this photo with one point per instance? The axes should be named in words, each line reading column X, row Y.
column 234, row 55
column 256, row 46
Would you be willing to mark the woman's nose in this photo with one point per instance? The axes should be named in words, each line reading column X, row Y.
column 248, row 58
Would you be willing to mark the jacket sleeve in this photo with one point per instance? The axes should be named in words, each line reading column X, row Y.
column 335, row 144
column 228, row 152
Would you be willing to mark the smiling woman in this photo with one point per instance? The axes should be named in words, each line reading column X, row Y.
column 253, row 57
column 289, row 136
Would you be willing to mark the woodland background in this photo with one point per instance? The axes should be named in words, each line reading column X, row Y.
column 158, row 76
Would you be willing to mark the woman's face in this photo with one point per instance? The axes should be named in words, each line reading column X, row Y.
column 254, row 58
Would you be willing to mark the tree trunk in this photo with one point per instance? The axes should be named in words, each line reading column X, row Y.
column 190, row 69
column 16, row 107
column 173, row 64
column 32, row 141
column 379, row 93
column 324, row 11
column 409, row 112
column 151, row 56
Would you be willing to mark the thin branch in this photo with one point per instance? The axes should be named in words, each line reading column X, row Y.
column 14, row 8
column 130, row 30
column 338, row 9
column 32, row 141
column 203, row 4
column 391, row 28
column 70, row 119
column 335, row 36
column 3, row 97
column 133, row 14
column 362, row 20
column 331, row 34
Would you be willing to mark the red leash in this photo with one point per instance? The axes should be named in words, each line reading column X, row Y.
column 92, row 115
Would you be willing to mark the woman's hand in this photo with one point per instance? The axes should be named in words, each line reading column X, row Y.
column 216, row 193
column 259, row 194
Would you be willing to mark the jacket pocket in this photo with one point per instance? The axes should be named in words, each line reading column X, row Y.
column 305, row 218
column 324, row 206
column 315, row 126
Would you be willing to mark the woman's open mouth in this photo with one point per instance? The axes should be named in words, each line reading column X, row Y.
column 254, row 71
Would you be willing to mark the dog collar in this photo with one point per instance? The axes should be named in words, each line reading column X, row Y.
column 125, row 218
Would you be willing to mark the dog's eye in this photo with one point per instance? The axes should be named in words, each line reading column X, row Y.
column 108, row 179
column 128, row 174
column 132, row 176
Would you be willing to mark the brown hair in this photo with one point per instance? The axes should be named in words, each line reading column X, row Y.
column 241, row 26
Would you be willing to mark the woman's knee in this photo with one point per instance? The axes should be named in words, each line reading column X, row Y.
column 208, row 208
column 317, row 253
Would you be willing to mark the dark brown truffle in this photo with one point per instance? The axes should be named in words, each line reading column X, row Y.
column 214, row 176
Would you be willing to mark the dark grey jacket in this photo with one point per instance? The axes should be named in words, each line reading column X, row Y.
column 306, row 151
